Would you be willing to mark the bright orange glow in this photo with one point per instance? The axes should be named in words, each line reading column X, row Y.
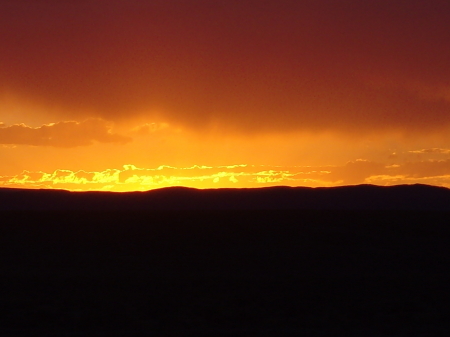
column 136, row 95
column 131, row 178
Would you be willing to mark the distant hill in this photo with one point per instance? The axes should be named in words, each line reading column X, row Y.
column 360, row 197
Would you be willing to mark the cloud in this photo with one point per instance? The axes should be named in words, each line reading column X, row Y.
column 431, row 150
column 355, row 172
column 148, row 128
column 131, row 177
column 428, row 168
column 61, row 134
column 244, row 66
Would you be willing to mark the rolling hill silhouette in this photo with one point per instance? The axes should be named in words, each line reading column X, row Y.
column 361, row 197
column 345, row 261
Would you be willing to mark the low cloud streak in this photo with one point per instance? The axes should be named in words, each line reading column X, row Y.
column 61, row 134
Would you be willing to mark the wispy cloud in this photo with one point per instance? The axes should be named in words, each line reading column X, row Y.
column 432, row 150
column 148, row 128
column 61, row 134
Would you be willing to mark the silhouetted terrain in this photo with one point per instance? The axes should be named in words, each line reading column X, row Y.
column 363, row 197
column 351, row 261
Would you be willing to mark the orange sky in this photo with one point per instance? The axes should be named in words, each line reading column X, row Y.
column 124, row 95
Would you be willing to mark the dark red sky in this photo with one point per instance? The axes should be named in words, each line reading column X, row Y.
column 127, row 94
column 249, row 66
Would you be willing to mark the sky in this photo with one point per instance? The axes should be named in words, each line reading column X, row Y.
column 125, row 95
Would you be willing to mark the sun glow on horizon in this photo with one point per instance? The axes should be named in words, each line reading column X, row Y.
column 132, row 178
column 304, row 93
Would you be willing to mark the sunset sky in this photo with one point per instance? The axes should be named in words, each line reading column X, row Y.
column 133, row 95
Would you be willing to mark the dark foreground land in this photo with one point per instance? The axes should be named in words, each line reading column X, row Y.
column 225, row 273
column 349, row 261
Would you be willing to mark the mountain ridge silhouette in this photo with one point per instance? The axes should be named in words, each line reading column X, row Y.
column 355, row 197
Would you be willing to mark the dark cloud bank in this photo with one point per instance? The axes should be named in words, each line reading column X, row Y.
column 353, row 66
